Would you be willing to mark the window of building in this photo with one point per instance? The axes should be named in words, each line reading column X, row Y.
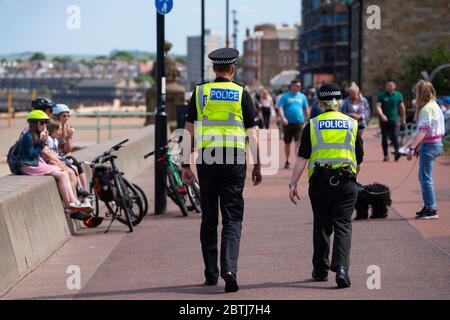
column 283, row 61
column 284, row 45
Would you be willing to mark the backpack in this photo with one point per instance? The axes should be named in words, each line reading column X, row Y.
column 102, row 183
column 13, row 158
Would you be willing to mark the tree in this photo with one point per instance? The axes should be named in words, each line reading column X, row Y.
column 181, row 59
column 38, row 56
column 62, row 60
column 101, row 58
column 122, row 55
column 428, row 61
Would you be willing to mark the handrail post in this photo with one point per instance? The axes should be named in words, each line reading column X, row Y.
column 98, row 126
column 109, row 124
column 10, row 109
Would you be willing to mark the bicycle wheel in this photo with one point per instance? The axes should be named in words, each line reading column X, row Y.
column 135, row 205
column 124, row 202
column 194, row 196
column 176, row 196
column 94, row 201
column 143, row 197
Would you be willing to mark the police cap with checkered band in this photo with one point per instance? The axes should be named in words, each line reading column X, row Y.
column 330, row 91
column 224, row 56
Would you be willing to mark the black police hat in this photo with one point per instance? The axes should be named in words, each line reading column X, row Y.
column 224, row 56
column 330, row 91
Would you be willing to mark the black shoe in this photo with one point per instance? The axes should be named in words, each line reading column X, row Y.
column 82, row 193
column 287, row 164
column 386, row 158
column 421, row 212
column 319, row 277
column 80, row 215
column 210, row 282
column 342, row 278
column 397, row 156
column 230, row 282
column 428, row 214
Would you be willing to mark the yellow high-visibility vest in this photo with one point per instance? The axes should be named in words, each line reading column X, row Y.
column 333, row 138
column 220, row 122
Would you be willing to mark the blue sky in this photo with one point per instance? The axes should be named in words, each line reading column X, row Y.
column 40, row 25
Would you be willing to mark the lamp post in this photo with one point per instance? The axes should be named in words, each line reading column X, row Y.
column 160, row 119
column 202, row 55
column 227, row 18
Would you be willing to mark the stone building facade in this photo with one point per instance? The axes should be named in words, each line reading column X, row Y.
column 268, row 52
column 407, row 27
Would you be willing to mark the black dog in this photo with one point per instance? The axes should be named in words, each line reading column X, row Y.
column 376, row 195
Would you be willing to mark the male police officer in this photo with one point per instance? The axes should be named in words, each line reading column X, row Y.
column 335, row 152
column 222, row 111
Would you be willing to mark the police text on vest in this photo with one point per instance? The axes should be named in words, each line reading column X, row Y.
column 224, row 95
column 333, row 125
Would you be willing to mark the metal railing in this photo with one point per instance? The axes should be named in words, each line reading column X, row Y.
column 99, row 115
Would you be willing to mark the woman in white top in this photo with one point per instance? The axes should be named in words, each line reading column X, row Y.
column 266, row 103
column 427, row 144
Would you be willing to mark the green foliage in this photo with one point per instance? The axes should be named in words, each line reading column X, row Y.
column 181, row 59
column 428, row 61
column 122, row 55
column 146, row 58
column 143, row 78
column 62, row 60
column 38, row 56
column 101, row 58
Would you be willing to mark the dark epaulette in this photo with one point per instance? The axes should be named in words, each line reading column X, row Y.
column 239, row 84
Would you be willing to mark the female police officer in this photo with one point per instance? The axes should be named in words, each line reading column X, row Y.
column 335, row 152
column 222, row 111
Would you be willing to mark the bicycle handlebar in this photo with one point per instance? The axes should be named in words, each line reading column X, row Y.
column 107, row 154
column 161, row 149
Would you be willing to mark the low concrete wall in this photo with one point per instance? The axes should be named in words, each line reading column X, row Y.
column 32, row 223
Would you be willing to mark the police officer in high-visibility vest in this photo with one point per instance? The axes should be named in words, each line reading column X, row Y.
column 333, row 152
column 218, row 117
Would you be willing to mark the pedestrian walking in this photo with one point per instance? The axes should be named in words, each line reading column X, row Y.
column 221, row 111
column 356, row 107
column 293, row 109
column 427, row 145
column 266, row 103
column 333, row 152
column 389, row 105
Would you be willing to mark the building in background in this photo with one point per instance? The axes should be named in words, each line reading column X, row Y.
column 324, row 42
column 268, row 52
column 213, row 41
column 407, row 28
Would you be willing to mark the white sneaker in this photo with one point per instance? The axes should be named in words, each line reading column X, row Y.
column 78, row 206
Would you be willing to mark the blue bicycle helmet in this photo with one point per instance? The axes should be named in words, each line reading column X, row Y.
column 43, row 104
column 60, row 108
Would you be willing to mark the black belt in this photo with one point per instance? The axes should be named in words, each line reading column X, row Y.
column 334, row 176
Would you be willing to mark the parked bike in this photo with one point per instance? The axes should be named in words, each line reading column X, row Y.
column 176, row 189
column 123, row 200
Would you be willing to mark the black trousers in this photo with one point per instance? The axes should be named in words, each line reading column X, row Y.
column 266, row 112
column 389, row 130
column 332, row 209
column 221, row 184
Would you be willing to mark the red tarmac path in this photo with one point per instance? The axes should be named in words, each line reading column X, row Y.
column 162, row 258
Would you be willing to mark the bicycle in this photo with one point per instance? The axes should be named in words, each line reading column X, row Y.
column 176, row 189
column 123, row 201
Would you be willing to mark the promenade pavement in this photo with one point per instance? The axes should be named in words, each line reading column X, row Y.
column 162, row 258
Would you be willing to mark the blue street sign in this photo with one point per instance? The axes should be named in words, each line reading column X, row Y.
column 164, row 6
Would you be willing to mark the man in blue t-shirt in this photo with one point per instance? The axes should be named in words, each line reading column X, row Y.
column 293, row 110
